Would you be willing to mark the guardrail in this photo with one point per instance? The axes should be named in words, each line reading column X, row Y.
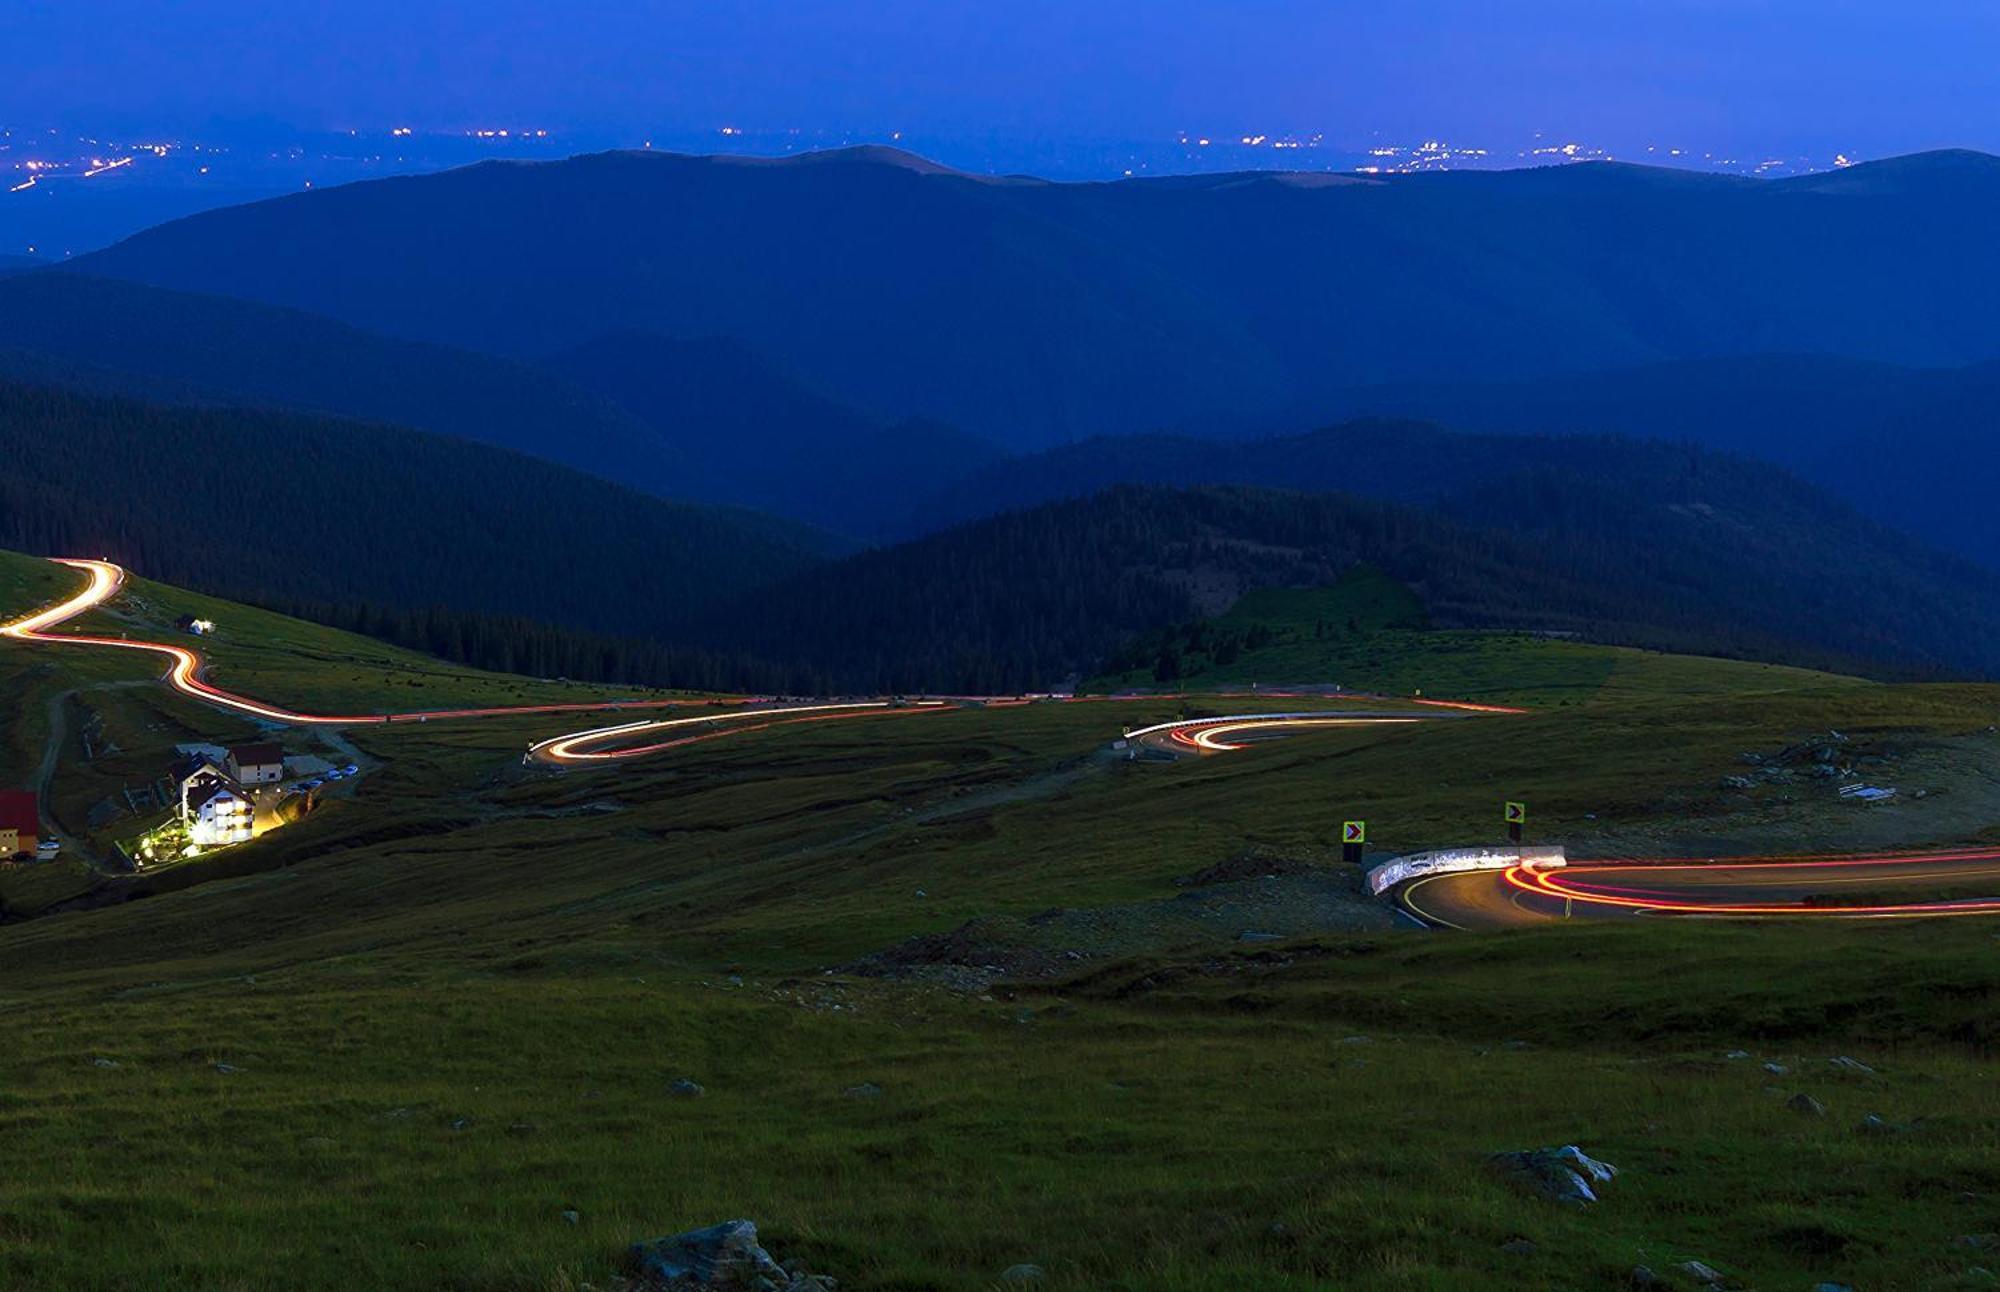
column 1448, row 860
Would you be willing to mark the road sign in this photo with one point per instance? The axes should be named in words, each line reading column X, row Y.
column 1517, row 813
column 1354, row 832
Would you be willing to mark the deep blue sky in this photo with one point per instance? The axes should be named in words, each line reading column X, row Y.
column 1870, row 77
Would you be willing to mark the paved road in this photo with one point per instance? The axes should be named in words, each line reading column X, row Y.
column 1954, row 882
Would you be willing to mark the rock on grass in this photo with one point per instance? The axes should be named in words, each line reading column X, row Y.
column 1564, row 1174
column 721, row 1258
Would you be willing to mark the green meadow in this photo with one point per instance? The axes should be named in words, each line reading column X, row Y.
column 391, row 1046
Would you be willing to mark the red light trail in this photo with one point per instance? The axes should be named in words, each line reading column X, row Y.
column 1587, row 884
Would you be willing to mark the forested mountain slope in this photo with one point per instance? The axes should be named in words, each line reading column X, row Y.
column 295, row 511
column 1696, row 560
column 1916, row 447
column 705, row 420
column 744, row 431
column 109, row 337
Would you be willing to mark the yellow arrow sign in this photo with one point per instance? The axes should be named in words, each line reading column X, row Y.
column 1354, row 832
column 1517, row 813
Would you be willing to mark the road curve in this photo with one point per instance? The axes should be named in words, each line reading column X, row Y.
column 1907, row 885
column 607, row 744
column 184, row 672
column 1229, row 733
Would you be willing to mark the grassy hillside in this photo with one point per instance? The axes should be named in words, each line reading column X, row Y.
column 446, row 1122
column 133, row 723
column 454, row 1004
column 1369, row 632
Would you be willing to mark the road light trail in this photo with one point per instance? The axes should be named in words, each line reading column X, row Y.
column 1675, row 888
column 616, row 742
column 1746, row 888
column 1212, row 738
column 1221, row 735
column 586, row 746
column 184, row 675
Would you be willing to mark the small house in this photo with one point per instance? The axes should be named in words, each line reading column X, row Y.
column 259, row 764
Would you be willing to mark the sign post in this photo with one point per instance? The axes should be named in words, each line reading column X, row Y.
column 1353, row 834
column 1517, row 820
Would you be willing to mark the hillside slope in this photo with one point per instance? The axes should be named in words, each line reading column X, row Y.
column 108, row 337
column 744, row 431
column 405, row 999
column 295, row 510
column 1697, row 560
column 1485, row 477
column 1912, row 446
column 705, row 420
column 1033, row 312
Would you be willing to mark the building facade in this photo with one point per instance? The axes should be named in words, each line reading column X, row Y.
column 218, row 812
column 259, row 764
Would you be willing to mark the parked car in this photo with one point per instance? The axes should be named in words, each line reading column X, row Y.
column 350, row 770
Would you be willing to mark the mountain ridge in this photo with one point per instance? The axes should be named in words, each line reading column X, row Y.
column 1037, row 313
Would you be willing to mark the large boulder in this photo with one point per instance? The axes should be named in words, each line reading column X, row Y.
column 1564, row 1174
column 725, row 1257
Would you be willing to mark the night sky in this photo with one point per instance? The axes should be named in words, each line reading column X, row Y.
column 1871, row 78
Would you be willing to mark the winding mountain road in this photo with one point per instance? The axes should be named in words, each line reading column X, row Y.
column 1888, row 886
column 602, row 744
column 637, row 739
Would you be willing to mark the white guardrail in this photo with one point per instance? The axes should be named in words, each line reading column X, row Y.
column 1447, row 860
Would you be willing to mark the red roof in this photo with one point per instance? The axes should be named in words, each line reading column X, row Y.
column 18, row 812
column 259, row 755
